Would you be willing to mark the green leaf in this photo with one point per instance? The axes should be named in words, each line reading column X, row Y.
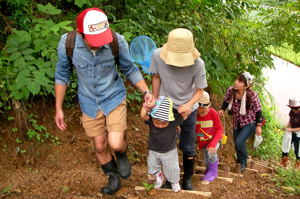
column 19, row 95
column 23, row 74
column 39, row 45
column 13, row 87
column 11, row 50
column 73, row 85
column 29, row 57
column 41, row 82
column 23, row 83
column 50, row 72
column 46, row 64
column 40, row 76
column 15, row 94
column 25, row 92
column 27, row 51
column 39, row 61
column 64, row 23
column 46, row 32
column 80, row 3
column 48, row 9
column 15, row 56
column 45, row 52
column 24, row 45
column 145, row 184
column 130, row 96
column 34, row 87
column 127, row 36
column 19, row 62
column 32, row 68
column 67, row 28
column 50, row 89
column 12, row 40
column 55, row 28
column 24, row 37
column 38, row 27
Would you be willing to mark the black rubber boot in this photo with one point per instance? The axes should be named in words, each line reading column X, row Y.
column 114, row 183
column 243, row 167
column 167, row 185
column 123, row 164
column 188, row 169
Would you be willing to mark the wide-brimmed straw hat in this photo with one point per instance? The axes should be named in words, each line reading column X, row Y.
column 204, row 101
column 180, row 49
column 294, row 103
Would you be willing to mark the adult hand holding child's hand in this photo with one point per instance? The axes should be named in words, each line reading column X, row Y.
column 184, row 110
column 147, row 106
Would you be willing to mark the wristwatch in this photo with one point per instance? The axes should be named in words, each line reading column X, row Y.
column 148, row 91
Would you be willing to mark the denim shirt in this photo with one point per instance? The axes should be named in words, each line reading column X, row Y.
column 100, row 86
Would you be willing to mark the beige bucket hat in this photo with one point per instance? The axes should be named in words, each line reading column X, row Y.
column 180, row 49
column 204, row 101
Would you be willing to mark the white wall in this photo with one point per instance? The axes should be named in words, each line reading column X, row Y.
column 284, row 84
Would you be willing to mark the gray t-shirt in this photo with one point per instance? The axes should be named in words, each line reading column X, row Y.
column 179, row 83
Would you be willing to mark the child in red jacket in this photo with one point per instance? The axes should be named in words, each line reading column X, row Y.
column 209, row 131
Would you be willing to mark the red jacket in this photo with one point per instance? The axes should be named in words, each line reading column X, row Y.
column 211, row 125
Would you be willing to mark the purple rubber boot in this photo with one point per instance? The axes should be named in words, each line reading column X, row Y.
column 212, row 172
column 206, row 170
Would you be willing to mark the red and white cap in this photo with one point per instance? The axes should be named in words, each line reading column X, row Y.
column 94, row 24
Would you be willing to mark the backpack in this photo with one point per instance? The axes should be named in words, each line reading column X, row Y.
column 70, row 43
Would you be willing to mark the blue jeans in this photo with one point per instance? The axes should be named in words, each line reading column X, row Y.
column 187, row 137
column 240, row 136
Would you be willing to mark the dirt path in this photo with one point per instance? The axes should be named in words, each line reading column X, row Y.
column 70, row 170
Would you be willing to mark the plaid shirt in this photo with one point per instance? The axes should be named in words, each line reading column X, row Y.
column 248, row 117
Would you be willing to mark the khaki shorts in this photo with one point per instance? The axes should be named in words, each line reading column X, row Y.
column 114, row 122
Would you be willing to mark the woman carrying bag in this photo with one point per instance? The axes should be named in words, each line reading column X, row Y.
column 243, row 103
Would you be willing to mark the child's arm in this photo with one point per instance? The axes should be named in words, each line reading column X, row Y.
column 218, row 134
column 289, row 129
column 144, row 114
column 293, row 129
column 155, row 84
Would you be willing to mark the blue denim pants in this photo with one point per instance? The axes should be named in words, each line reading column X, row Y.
column 240, row 136
column 187, row 137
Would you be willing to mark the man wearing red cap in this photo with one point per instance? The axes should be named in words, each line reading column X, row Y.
column 101, row 91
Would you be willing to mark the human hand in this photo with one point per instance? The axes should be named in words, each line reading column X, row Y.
column 184, row 110
column 185, row 116
column 149, row 98
column 179, row 130
column 146, row 107
column 211, row 150
column 221, row 113
column 59, row 119
column 289, row 129
column 258, row 130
